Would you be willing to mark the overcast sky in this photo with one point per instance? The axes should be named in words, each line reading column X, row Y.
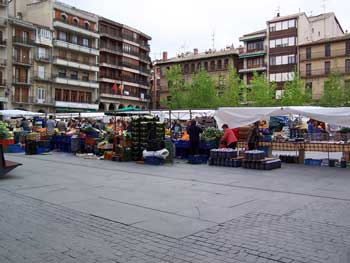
column 181, row 25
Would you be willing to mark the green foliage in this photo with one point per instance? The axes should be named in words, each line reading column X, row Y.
column 212, row 134
column 261, row 93
column 202, row 91
column 231, row 93
column 334, row 91
column 4, row 131
column 177, row 88
column 294, row 93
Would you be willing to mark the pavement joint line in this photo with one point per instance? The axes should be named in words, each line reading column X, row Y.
column 206, row 182
column 243, row 203
column 157, row 210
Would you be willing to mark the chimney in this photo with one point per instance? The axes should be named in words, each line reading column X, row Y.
column 278, row 14
column 165, row 55
column 195, row 51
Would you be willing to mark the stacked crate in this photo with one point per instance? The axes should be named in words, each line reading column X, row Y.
column 257, row 160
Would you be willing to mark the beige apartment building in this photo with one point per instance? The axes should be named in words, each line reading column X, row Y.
column 320, row 58
column 66, row 56
column 216, row 63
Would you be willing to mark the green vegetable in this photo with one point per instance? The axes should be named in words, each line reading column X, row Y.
column 212, row 134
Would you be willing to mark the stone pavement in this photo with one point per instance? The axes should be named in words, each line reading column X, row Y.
column 60, row 208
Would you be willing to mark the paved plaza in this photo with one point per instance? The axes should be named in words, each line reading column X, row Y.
column 60, row 208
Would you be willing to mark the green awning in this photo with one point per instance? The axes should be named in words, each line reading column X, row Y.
column 251, row 55
column 73, row 110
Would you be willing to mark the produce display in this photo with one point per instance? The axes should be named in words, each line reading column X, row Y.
column 4, row 131
column 212, row 134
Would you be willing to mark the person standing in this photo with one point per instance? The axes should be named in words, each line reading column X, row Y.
column 229, row 139
column 50, row 126
column 25, row 125
column 61, row 126
column 254, row 136
column 194, row 132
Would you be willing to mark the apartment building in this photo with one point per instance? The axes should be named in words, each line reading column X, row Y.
column 286, row 33
column 155, row 87
column 320, row 58
column 4, row 90
column 216, row 63
column 124, row 67
column 69, row 83
column 253, row 54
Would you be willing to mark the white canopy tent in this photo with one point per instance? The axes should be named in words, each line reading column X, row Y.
column 238, row 117
column 19, row 113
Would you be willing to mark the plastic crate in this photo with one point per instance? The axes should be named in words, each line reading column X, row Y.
column 153, row 160
column 182, row 144
column 313, row 162
column 41, row 150
column 15, row 148
column 197, row 159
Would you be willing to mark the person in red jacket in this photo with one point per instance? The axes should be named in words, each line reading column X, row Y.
column 229, row 139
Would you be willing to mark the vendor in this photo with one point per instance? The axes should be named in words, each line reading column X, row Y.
column 254, row 136
column 310, row 127
column 229, row 139
column 194, row 132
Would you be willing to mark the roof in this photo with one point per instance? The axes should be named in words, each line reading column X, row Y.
column 263, row 31
column 327, row 40
column 320, row 16
column 200, row 56
column 101, row 18
column 281, row 18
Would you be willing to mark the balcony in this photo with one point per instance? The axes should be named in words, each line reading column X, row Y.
column 22, row 61
column 254, row 68
column 21, row 81
column 41, row 77
column 248, row 53
column 18, row 40
column 141, row 43
column 3, row 43
column 4, row 3
column 119, row 51
column 20, row 100
column 75, row 63
column 76, row 105
column 76, row 47
column 45, row 58
column 3, row 21
column 307, row 74
column 3, row 63
column 321, row 54
column 60, row 23
column 108, row 93
column 2, row 83
column 65, row 80
column 137, row 81
column 45, row 101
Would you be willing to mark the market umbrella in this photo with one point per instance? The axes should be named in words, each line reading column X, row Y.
column 128, row 109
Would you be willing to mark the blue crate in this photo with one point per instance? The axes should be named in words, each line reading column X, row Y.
column 197, row 159
column 15, row 148
column 153, row 160
column 208, row 145
column 313, row 162
column 41, row 150
column 182, row 144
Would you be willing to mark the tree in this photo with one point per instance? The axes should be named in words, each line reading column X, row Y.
column 231, row 95
column 334, row 91
column 202, row 91
column 261, row 93
column 177, row 88
column 294, row 93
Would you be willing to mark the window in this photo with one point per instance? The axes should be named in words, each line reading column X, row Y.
column 291, row 41
column 199, row 66
column 186, row 69
column 65, row 95
column 278, row 42
column 308, row 52
column 42, row 52
column 347, row 89
column 88, row 97
column 62, row 73
column 327, row 50
column 206, row 66
column 85, row 76
column 279, row 94
column 25, row 36
column 308, row 88
column 279, row 60
column 44, row 33
column 285, row 25
column 327, row 67
column 278, row 26
column 87, row 25
column 74, row 39
column 272, row 43
column 62, row 36
column 85, row 42
column 257, row 45
column 73, row 96
column 212, row 65
column 272, row 61
column 308, row 70
column 64, row 17
column 41, row 94
column 347, row 66
column 74, row 74
column 292, row 23
column 283, row 42
column 272, row 27
column 219, row 64
column 41, row 72
column 193, row 68
column 226, row 62
column 81, row 96
column 347, row 47
column 291, row 59
column 75, row 21
column 58, row 93
column 272, row 77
